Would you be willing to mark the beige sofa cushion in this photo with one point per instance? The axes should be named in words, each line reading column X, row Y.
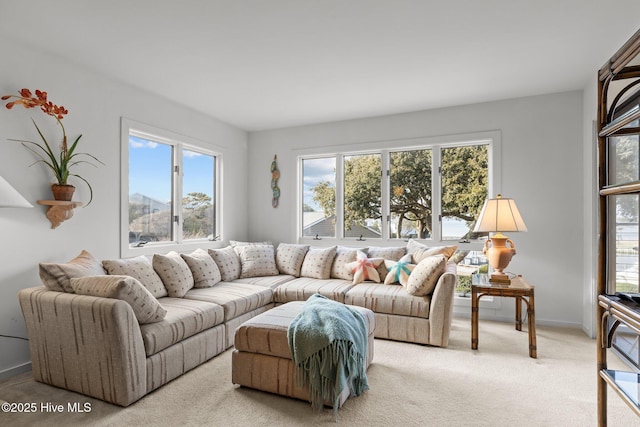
column 289, row 258
column 235, row 298
column 56, row 277
column 266, row 281
column 174, row 272
column 146, row 308
column 424, row 277
column 388, row 299
column 317, row 263
column 227, row 261
column 184, row 319
column 139, row 268
column 302, row 288
column 256, row 260
column 204, row 269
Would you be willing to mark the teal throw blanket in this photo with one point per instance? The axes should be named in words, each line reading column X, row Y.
column 328, row 342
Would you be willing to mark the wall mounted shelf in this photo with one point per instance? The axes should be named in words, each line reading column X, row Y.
column 59, row 211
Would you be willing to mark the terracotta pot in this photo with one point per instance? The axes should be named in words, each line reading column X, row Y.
column 62, row 192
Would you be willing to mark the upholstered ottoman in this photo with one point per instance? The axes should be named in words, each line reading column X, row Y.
column 262, row 359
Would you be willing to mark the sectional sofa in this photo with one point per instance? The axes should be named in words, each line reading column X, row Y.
column 119, row 329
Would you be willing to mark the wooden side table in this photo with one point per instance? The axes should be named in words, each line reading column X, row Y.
column 522, row 292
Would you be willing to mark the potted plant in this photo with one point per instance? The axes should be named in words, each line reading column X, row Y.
column 60, row 162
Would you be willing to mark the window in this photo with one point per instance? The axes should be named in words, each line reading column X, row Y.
column 169, row 189
column 431, row 189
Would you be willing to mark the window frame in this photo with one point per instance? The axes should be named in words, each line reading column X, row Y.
column 491, row 138
column 178, row 143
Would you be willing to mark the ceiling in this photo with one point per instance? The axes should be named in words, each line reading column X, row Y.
column 265, row 64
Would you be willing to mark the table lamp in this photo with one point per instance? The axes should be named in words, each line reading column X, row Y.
column 499, row 215
column 10, row 198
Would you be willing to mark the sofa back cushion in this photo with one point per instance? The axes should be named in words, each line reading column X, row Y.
column 425, row 275
column 419, row 251
column 56, row 277
column 228, row 263
column 289, row 258
column 174, row 272
column 317, row 263
column 343, row 257
column 145, row 307
column 204, row 269
column 256, row 260
column 139, row 268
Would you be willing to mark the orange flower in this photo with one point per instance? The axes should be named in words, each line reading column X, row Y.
column 27, row 100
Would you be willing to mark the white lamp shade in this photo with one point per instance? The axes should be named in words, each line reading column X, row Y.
column 499, row 215
column 10, row 198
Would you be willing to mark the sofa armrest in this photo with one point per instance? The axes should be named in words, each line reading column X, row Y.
column 86, row 344
column 441, row 307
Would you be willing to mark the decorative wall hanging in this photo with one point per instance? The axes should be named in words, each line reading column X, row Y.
column 275, row 174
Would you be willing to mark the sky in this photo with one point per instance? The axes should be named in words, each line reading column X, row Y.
column 150, row 170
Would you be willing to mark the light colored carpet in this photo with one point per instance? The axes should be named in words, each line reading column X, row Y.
column 411, row 385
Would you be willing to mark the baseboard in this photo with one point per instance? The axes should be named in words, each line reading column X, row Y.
column 8, row 373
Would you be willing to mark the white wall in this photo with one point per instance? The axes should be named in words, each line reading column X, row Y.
column 95, row 106
column 542, row 168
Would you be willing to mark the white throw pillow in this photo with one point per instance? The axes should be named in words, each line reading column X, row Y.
column 256, row 260
column 344, row 256
column 146, row 308
column 56, row 277
column 424, row 277
column 289, row 258
column 228, row 263
column 317, row 263
column 174, row 272
column 204, row 269
column 139, row 268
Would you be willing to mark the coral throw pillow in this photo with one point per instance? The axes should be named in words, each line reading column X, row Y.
column 364, row 268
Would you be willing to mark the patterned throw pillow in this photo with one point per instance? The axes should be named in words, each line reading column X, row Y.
column 146, row 308
column 228, row 263
column 289, row 258
column 139, row 268
column 174, row 272
column 56, row 277
column 399, row 271
column 317, row 263
column 420, row 251
column 392, row 253
column 424, row 277
column 344, row 256
column 364, row 268
column 204, row 269
column 256, row 260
